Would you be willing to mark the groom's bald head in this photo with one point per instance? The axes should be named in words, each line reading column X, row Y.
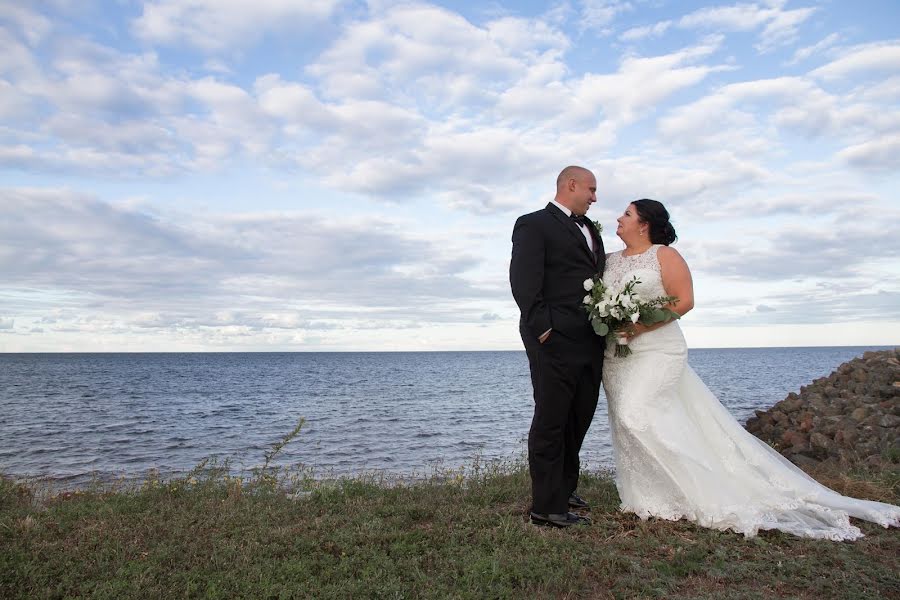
column 576, row 189
column 570, row 173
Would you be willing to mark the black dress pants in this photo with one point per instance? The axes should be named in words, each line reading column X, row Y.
column 566, row 381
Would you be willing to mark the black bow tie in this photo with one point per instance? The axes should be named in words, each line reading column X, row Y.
column 580, row 219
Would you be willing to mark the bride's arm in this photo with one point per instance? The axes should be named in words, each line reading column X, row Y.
column 676, row 278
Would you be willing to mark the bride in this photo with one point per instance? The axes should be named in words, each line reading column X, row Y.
column 679, row 453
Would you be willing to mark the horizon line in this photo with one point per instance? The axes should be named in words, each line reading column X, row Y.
column 879, row 346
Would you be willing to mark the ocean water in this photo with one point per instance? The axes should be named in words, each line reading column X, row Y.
column 73, row 417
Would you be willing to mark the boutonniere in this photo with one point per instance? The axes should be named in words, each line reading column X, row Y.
column 598, row 225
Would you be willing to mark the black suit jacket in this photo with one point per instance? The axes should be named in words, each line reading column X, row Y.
column 550, row 261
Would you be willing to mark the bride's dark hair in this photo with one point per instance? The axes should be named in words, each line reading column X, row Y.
column 657, row 218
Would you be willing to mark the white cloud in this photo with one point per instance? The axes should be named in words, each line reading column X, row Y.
column 740, row 17
column 782, row 28
column 638, row 33
column 463, row 165
column 16, row 60
column 881, row 57
column 846, row 302
column 882, row 154
column 685, row 182
column 17, row 156
column 293, row 103
column 33, row 27
column 104, row 110
column 716, row 118
column 90, row 100
column 805, row 252
column 804, row 205
column 148, row 139
column 597, row 14
column 804, row 53
column 527, row 37
column 233, row 120
column 402, row 53
column 750, row 116
column 214, row 26
column 643, row 82
column 887, row 90
column 779, row 26
column 289, row 265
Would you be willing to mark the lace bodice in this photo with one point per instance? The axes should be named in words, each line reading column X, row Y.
column 620, row 268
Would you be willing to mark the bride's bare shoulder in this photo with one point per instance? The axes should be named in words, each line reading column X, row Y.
column 667, row 251
column 668, row 254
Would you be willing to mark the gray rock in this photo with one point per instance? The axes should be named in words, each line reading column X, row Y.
column 846, row 437
column 850, row 417
column 860, row 413
column 821, row 441
column 889, row 421
column 872, row 420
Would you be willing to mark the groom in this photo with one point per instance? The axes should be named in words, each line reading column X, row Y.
column 554, row 251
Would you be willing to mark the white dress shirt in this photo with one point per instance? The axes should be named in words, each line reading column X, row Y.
column 584, row 229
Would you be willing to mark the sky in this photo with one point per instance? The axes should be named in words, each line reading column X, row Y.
column 329, row 175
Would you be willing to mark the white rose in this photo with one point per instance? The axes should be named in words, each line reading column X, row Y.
column 635, row 317
column 588, row 285
column 587, row 299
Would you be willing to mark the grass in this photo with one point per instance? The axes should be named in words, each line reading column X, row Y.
column 455, row 534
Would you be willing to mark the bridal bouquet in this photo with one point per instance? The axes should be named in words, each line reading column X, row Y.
column 609, row 310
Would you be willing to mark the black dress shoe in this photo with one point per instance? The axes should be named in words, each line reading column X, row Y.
column 576, row 501
column 559, row 520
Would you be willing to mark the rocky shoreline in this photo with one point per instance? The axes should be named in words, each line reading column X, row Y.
column 849, row 418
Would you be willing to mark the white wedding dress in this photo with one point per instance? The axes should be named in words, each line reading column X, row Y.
column 680, row 454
